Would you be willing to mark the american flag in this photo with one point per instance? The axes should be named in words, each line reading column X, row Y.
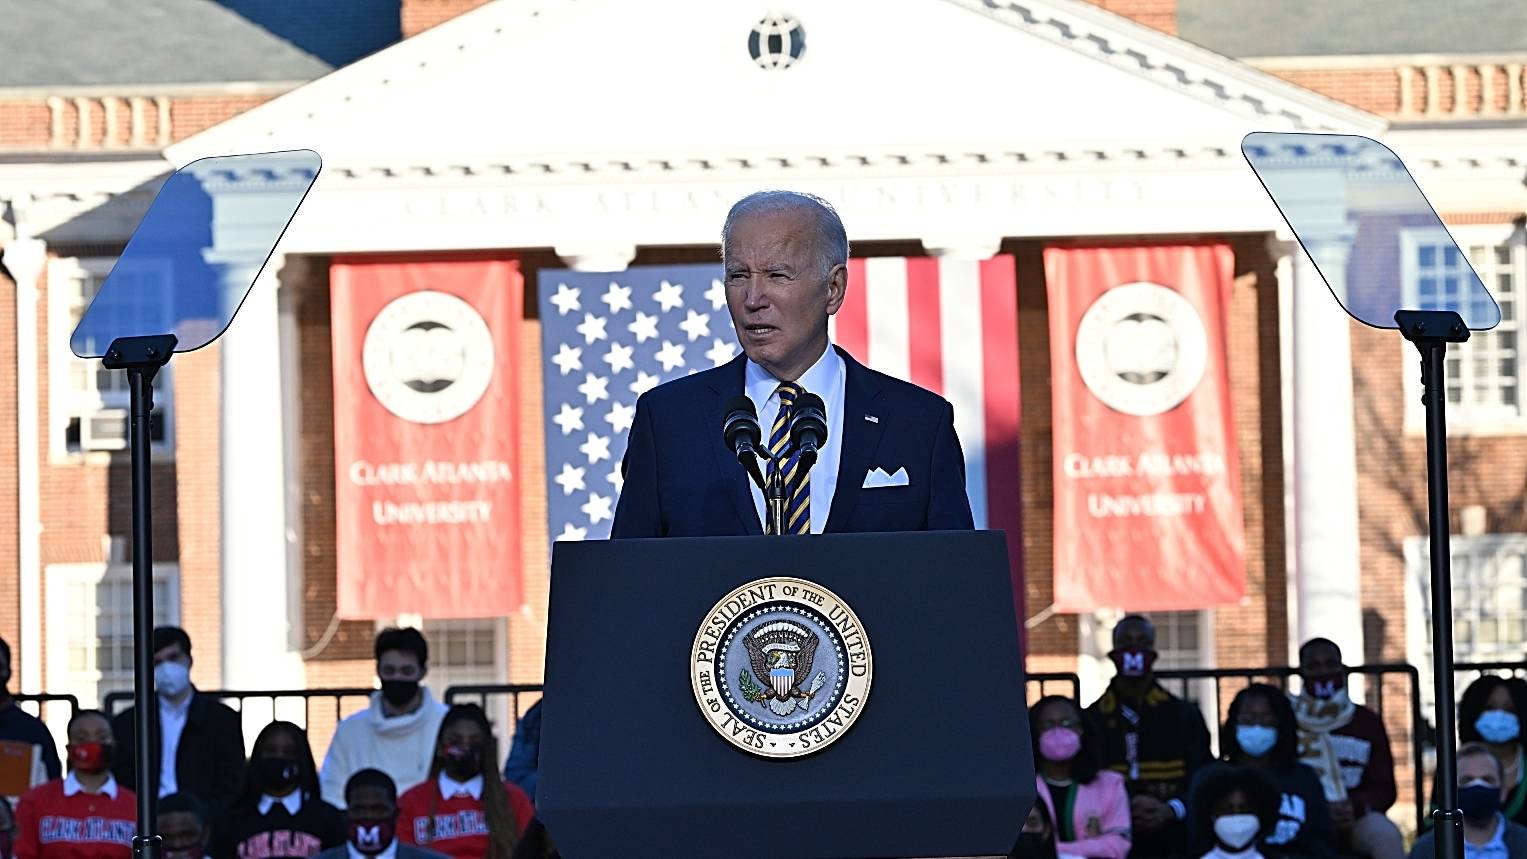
column 947, row 325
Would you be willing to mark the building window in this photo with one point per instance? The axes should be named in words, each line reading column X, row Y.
column 90, row 403
column 90, row 626
column 1484, row 375
column 1489, row 601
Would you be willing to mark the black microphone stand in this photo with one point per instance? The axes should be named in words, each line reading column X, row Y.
column 774, row 495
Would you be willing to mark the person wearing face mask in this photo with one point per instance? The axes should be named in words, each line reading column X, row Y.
column 1487, row 834
column 1490, row 712
column 464, row 810
column 183, row 827
column 1235, row 808
column 1347, row 746
column 371, row 815
column 1261, row 733
column 396, row 733
column 200, row 747
column 19, row 726
column 86, row 814
column 1156, row 740
column 1089, row 804
column 278, row 813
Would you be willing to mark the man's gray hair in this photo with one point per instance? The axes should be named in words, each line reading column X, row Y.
column 832, row 238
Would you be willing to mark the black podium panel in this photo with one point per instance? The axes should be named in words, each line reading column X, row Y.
column 938, row 763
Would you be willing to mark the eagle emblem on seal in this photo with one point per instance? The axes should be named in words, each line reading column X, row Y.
column 780, row 655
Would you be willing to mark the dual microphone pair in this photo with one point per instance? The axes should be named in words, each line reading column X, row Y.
column 744, row 437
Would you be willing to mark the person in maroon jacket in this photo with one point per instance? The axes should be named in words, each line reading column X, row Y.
column 1346, row 744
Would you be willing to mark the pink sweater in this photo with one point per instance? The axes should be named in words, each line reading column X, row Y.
column 1100, row 814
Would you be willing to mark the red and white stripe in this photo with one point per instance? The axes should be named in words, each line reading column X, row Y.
column 950, row 326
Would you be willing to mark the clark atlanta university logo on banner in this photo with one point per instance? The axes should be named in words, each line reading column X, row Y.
column 1141, row 348
column 428, row 357
column 781, row 667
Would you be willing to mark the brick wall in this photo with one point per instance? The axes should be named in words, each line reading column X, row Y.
column 1376, row 90
column 1159, row 14
column 420, row 15
column 129, row 120
column 10, row 523
column 198, row 439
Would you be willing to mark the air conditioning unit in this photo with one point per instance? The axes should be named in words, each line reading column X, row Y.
column 105, row 429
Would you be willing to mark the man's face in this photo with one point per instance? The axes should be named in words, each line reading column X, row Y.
column 90, row 729
column 172, row 653
column 1320, row 660
column 1478, row 768
column 369, row 802
column 180, row 830
column 777, row 291
column 399, row 665
column 1133, row 635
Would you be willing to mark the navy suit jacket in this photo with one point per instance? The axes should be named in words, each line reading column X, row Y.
column 681, row 480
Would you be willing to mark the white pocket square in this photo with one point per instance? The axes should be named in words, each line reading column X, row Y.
column 878, row 479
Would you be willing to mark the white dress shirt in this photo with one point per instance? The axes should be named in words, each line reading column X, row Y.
column 450, row 787
column 172, row 723
column 292, row 801
column 72, row 786
column 826, row 378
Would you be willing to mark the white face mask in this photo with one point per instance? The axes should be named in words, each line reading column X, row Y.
column 1236, row 831
column 171, row 678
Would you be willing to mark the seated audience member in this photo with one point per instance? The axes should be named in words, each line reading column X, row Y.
column 1089, row 804
column 1490, row 712
column 1346, row 745
column 1037, row 838
column 1236, row 807
column 19, row 726
column 7, row 830
column 278, row 813
column 523, row 764
column 85, row 814
column 396, row 733
column 371, row 815
column 1262, row 734
column 1487, row 834
column 1156, row 740
column 201, row 739
column 183, row 827
column 463, row 810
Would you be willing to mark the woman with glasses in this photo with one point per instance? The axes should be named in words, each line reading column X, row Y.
column 1089, row 804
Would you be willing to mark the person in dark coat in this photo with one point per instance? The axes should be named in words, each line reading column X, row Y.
column 279, row 813
column 202, row 737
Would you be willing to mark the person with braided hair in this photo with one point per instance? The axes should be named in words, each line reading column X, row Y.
column 463, row 809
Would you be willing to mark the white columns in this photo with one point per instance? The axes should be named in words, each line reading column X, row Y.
column 1326, row 553
column 597, row 257
column 26, row 258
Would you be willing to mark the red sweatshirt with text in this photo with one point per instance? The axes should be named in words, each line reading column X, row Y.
column 457, row 827
column 50, row 825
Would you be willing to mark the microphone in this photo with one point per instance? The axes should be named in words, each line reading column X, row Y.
column 742, row 434
column 808, row 427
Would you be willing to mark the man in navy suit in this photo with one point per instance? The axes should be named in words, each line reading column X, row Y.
column 892, row 461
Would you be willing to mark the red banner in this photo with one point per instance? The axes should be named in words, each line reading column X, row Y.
column 1147, row 483
column 426, row 436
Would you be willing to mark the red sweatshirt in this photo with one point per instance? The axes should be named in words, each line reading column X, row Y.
column 457, row 827
column 58, row 820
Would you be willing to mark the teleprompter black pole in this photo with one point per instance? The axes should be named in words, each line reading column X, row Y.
column 142, row 357
column 1431, row 331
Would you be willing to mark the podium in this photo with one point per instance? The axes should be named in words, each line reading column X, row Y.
column 639, row 757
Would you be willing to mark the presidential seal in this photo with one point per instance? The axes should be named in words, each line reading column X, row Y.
column 781, row 667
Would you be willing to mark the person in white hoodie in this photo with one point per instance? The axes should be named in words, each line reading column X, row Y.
column 396, row 733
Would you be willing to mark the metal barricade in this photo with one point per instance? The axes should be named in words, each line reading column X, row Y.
column 239, row 699
column 1188, row 684
column 1046, row 679
column 42, row 699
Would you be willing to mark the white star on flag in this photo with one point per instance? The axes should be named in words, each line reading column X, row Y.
column 596, row 448
column 595, row 388
column 566, row 299
column 598, row 508
column 671, row 356
column 669, row 296
column 716, row 294
column 619, row 357
column 720, row 352
column 644, row 383
column 696, row 325
column 645, row 327
column 571, row 479
column 572, row 534
column 620, row 416
column 616, row 478
column 592, row 328
column 569, row 418
column 568, row 358
column 618, row 297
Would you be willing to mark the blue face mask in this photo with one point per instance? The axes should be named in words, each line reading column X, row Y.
column 1256, row 740
column 1498, row 726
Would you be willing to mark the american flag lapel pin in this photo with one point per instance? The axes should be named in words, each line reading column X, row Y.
column 872, row 419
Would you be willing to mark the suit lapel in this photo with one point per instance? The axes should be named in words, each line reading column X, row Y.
column 861, row 440
column 730, row 385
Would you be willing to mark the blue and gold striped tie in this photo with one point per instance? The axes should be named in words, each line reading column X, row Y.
column 797, row 480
